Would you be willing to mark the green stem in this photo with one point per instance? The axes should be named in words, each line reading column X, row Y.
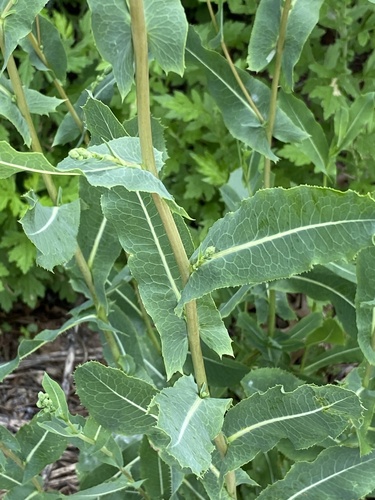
column 52, row 191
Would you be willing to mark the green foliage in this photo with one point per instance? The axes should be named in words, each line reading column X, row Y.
column 115, row 202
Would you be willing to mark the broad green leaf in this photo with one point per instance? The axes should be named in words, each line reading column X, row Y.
column 365, row 302
column 53, row 230
column 295, row 337
column 336, row 355
column 101, row 122
column 262, row 379
column 8, row 439
column 12, row 162
column 115, row 400
column 338, row 473
column 40, row 104
column 279, row 233
column 166, row 29
column 161, row 480
column 239, row 117
column 322, row 284
column 51, row 46
column 305, row 416
column 303, row 16
column 56, row 395
column 18, row 22
column 107, row 488
column 39, row 447
column 27, row 347
column 315, row 147
column 142, row 235
column 191, row 422
column 10, row 111
column 345, row 270
column 360, row 113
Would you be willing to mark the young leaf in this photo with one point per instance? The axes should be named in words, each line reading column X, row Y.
column 303, row 16
column 18, row 23
column 295, row 228
column 53, row 230
column 115, row 400
column 365, row 303
column 305, row 416
column 191, row 422
column 239, row 117
column 337, row 473
column 315, row 147
column 57, row 396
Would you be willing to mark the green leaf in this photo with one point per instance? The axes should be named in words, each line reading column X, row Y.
column 10, row 111
column 360, row 113
column 18, row 23
column 26, row 347
column 191, row 422
column 239, row 117
column 305, row 416
column 11, row 162
column 107, row 488
column 327, row 477
column 166, row 29
column 118, row 402
column 315, row 147
column 57, row 396
column 53, row 230
column 262, row 379
column 40, row 104
column 101, row 122
column 365, row 303
column 295, row 229
column 303, row 16
column 324, row 285
column 39, row 447
column 52, row 48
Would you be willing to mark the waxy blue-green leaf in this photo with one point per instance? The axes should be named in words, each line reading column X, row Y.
column 10, row 110
column 302, row 17
column 166, row 27
column 108, row 488
column 142, row 235
column 101, row 122
column 338, row 473
column 12, row 162
column 40, row 104
column 322, row 284
column 39, row 447
column 306, row 416
column 365, row 302
column 279, row 233
column 115, row 400
column 27, row 347
column 315, row 147
column 191, row 422
column 239, row 117
column 18, row 22
column 51, row 46
column 262, row 379
column 53, row 230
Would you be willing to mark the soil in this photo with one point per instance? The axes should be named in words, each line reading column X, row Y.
column 19, row 391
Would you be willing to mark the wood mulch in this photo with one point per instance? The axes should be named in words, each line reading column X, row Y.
column 19, row 390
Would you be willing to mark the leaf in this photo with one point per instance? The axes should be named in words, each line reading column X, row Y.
column 57, row 396
column 107, row 488
column 26, row 347
column 302, row 17
column 191, row 422
column 39, row 447
column 360, row 113
column 315, row 147
column 166, row 29
column 11, row 162
column 324, row 285
column 10, row 111
column 51, row 46
column 115, row 400
column 53, row 230
column 293, row 230
column 305, row 416
column 327, row 477
column 18, row 23
column 238, row 115
column 262, row 379
column 101, row 122
column 41, row 104
column 365, row 303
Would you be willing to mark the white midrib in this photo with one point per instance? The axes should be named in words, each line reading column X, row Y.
column 322, row 285
column 283, row 234
column 187, row 419
column 258, row 425
column 35, row 170
column 54, row 213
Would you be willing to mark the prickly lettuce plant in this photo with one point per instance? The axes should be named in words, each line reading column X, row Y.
column 173, row 415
